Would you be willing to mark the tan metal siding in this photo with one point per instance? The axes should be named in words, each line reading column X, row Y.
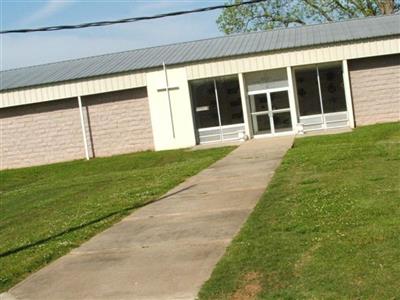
column 293, row 58
column 375, row 85
column 72, row 89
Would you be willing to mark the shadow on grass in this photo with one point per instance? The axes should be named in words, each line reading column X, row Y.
column 75, row 228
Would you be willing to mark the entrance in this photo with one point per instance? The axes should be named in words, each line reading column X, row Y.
column 270, row 111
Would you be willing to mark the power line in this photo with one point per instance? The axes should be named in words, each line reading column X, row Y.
column 129, row 20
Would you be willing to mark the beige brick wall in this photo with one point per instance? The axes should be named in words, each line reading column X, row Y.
column 375, row 85
column 49, row 132
column 118, row 122
column 40, row 133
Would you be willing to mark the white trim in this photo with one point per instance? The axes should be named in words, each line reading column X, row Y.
column 326, row 122
column 326, row 129
column 232, row 139
column 337, row 121
column 310, row 116
column 270, row 114
column 206, row 136
column 292, row 99
column 225, row 140
column 260, row 113
column 226, row 133
column 281, row 110
column 347, row 92
column 223, row 127
column 328, row 114
column 245, row 108
column 336, row 127
column 272, row 90
column 83, row 128
column 312, row 124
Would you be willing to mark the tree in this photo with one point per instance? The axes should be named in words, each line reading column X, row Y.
column 284, row 13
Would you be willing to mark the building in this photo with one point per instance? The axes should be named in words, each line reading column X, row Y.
column 262, row 84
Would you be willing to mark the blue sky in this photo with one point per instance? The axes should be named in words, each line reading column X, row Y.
column 18, row 50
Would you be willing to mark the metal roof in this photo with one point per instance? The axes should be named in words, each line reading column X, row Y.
column 220, row 47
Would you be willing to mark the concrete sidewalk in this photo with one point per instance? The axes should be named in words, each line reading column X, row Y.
column 169, row 248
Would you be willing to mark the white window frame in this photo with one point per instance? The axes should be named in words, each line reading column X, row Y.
column 324, row 123
column 270, row 112
column 221, row 127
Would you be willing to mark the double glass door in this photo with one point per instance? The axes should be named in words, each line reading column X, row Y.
column 270, row 111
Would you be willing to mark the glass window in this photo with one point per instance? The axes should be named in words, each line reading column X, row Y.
column 205, row 105
column 308, row 92
column 257, row 81
column 261, row 124
column 279, row 100
column 282, row 121
column 332, row 89
column 230, row 103
column 259, row 103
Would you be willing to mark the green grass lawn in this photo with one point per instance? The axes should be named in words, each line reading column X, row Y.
column 328, row 226
column 48, row 210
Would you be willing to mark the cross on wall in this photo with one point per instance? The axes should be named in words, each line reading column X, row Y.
column 167, row 89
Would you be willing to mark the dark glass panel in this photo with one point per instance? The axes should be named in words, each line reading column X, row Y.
column 308, row 92
column 282, row 121
column 332, row 89
column 259, row 103
column 230, row 104
column 205, row 105
column 261, row 124
column 279, row 100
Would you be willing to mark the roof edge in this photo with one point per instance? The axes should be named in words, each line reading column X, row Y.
column 199, row 40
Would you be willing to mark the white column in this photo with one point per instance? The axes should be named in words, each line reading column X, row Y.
column 243, row 96
column 292, row 99
column 347, row 92
column 83, row 128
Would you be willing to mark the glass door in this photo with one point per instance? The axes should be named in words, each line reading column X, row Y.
column 281, row 119
column 260, row 114
column 270, row 111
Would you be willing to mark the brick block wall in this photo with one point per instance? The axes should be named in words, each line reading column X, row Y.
column 375, row 85
column 49, row 132
column 118, row 122
column 40, row 134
